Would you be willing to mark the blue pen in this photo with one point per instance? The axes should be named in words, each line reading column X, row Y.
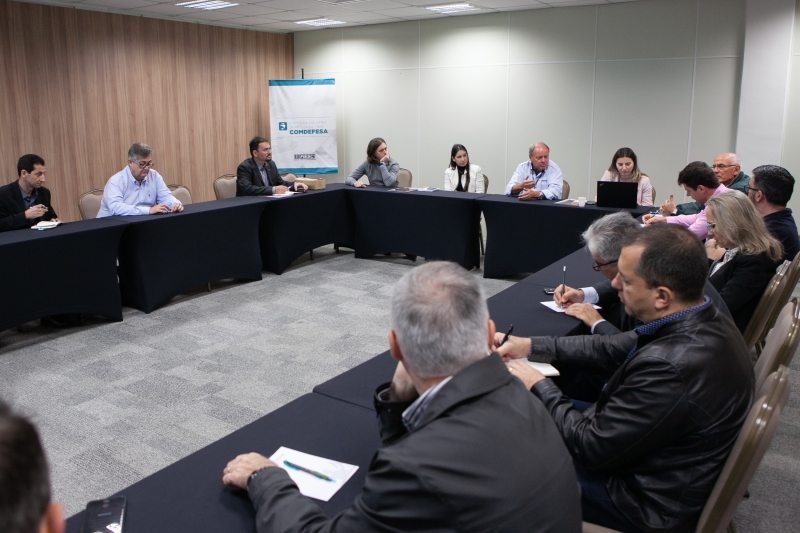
column 307, row 470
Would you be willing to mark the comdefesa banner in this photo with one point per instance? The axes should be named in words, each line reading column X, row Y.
column 303, row 125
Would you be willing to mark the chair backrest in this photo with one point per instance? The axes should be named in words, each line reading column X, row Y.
column 653, row 195
column 755, row 328
column 485, row 183
column 777, row 340
column 181, row 193
column 404, row 177
column 89, row 203
column 748, row 450
column 783, row 293
column 225, row 186
column 565, row 190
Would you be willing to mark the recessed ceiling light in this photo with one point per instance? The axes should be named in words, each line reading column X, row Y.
column 320, row 22
column 453, row 8
column 208, row 5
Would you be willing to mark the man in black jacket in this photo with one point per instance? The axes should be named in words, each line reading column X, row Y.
column 649, row 451
column 770, row 189
column 466, row 447
column 26, row 201
column 258, row 175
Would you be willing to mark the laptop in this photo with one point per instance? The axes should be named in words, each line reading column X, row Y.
column 617, row 194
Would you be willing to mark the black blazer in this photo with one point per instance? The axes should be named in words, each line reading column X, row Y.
column 741, row 282
column 249, row 182
column 12, row 207
column 485, row 456
column 617, row 320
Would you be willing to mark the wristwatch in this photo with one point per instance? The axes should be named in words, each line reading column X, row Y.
column 541, row 195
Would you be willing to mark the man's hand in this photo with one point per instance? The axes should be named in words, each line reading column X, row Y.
column 668, row 207
column 238, row 471
column 280, row 189
column 528, row 375
column 584, row 312
column 302, row 186
column 359, row 184
column 177, row 207
column 649, row 220
column 528, row 184
column 35, row 211
column 514, row 348
column 570, row 296
column 529, row 194
column 402, row 388
column 159, row 208
column 713, row 251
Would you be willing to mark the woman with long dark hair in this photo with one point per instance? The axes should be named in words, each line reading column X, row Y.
column 625, row 167
column 460, row 175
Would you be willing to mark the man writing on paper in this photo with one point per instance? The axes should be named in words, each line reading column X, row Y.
column 259, row 176
column 26, row 201
column 536, row 179
column 649, row 451
column 137, row 189
column 456, row 457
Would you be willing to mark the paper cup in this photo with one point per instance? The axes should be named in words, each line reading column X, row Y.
column 581, row 201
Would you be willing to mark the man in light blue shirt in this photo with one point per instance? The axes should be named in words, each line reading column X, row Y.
column 539, row 178
column 137, row 189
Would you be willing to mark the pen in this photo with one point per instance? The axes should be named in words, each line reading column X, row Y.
column 307, row 471
column 563, row 285
column 508, row 333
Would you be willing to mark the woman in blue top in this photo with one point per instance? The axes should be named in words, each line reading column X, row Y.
column 380, row 169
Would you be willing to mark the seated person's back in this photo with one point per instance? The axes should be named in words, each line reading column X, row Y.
column 752, row 255
column 770, row 189
column 474, row 452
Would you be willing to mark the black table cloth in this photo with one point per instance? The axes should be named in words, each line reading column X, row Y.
column 357, row 385
column 161, row 256
column 527, row 236
column 68, row 269
column 290, row 227
column 188, row 496
column 579, row 271
column 434, row 225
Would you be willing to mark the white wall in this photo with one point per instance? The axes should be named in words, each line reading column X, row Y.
column 791, row 141
column 660, row 76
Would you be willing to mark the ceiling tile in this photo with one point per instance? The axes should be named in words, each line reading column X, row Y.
column 249, row 10
column 408, row 12
column 163, row 9
column 293, row 16
column 121, row 4
column 508, row 3
column 251, row 21
column 216, row 14
column 292, row 4
column 363, row 17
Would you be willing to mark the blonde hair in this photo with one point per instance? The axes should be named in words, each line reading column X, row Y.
column 739, row 224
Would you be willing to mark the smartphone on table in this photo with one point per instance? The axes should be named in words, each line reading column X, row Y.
column 550, row 290
column 104, row 516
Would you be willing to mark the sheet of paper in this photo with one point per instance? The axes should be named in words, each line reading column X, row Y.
column 284, row 195
column 544, row 368
column 568, row 201
column 552, row 305
column 310, row 485
column 45, row 224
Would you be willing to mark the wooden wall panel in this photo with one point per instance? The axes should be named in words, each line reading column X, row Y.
column 79, row 87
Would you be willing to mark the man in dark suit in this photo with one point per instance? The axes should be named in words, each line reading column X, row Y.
column 258, row 175
column 650, row 450
column 466, row 447
column 770, row 189
column 26, row 201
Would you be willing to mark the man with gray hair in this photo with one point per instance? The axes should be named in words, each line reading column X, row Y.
column 538, row 178
column 465, row 447
column 137, row 189
column 728, row 168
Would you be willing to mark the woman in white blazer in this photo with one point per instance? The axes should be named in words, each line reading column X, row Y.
column 461, row 175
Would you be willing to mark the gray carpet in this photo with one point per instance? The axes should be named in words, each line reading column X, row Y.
column 115, row 402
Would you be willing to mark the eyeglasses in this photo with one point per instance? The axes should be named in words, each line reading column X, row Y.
column 748, row 188
column 710, row 226
column 597, row 266
column 721, row 166
column 144, row 164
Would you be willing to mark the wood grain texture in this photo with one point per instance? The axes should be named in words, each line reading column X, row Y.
column 79, row 87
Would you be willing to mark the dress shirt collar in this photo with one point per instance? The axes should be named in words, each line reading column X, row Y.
column 655, row 325
column 29, row 199
column 133, row 180
column 413, row 414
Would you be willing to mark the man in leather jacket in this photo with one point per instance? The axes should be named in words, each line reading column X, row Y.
column 456, row 457
column 649, row 451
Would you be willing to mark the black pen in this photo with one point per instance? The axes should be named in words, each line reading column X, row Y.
column 307, row 470
column 508, row 333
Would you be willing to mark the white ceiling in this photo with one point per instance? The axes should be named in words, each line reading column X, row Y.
column 279, row 16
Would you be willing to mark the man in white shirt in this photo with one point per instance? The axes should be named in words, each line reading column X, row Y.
column 137, row 189
column 539, row 178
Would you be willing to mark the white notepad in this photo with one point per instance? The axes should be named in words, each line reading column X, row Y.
column 45, row 224
column 554, row 306
column 310, row 485
column 546, row 369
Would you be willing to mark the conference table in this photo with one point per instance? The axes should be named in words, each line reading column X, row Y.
column 336, row 421
column 161, row 256
column 68, row 269
column 525, row 236
column 435, row 225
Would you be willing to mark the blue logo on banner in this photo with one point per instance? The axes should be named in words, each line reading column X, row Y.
column 282, row 126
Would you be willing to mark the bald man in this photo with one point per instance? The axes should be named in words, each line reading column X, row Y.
column 728, row 168
column 538, row 178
